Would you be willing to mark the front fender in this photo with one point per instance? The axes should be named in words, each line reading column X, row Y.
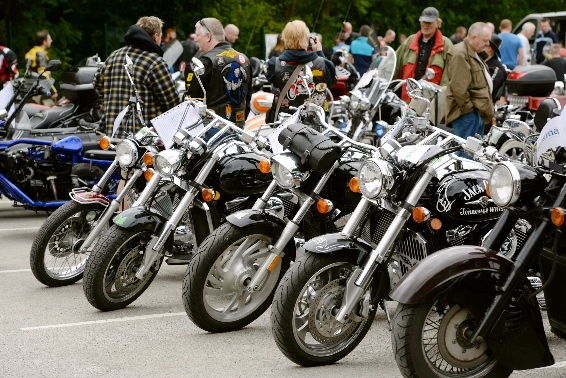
column 338, row 243
column 249, row 217
column 136, row 216
column 437, row 273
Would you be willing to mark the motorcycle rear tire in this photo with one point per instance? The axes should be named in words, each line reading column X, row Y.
column 205, row 267
column 301, row 289
column 105, row 261
column 60, row 222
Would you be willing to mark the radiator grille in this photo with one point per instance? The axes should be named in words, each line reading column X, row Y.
column 410, row 250
column 374, row 228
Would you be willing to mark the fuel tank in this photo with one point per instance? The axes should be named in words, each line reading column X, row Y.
column 461, row 197
column 338, row 188
column 239, row 175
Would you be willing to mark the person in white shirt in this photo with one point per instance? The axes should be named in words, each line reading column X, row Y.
column 528, row 30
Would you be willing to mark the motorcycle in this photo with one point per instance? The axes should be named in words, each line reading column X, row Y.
column 474, row 309
column 327, row 300
column 224, row 170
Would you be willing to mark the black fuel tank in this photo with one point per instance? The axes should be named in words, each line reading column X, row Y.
column 239, row 174
column 461, row 197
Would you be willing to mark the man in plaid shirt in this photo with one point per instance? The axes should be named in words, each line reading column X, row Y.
column 150, row 74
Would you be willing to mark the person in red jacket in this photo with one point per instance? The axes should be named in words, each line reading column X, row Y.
column 424, row 49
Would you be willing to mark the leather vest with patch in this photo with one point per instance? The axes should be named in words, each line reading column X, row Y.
column 226, row 92
column 298, row 94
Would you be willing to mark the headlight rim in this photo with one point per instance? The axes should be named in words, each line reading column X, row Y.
column 386, row 175
column 173, row 157
column 292, row 163
column 515, row 184
column 133, row 149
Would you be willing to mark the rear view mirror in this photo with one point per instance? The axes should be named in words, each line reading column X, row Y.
column 414, row 86
column 197, row 66
column 53, row 65
column 129, row 65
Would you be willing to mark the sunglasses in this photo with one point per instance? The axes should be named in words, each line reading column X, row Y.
column 204, row 26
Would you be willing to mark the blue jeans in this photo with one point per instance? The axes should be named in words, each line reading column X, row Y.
column 468, row 125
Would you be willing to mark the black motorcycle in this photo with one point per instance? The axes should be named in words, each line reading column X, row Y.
column 468, row 311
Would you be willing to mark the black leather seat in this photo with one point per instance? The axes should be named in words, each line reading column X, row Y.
column 100, row 154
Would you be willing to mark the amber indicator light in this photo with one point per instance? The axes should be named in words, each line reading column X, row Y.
column 148, row 174
column 557, row 216
column 148, row 158
column 354, row 185
column 104, row 143
column 264, row 166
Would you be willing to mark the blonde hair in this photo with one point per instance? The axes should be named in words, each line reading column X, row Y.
column 295, row 35
column 151, row 24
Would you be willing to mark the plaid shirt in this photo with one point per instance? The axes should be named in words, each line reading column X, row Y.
column 153, row 82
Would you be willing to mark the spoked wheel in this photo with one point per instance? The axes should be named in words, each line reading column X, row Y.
column 215, row 292
column 110, row 281
column 55, row 259
column 429, row 341
column 513, row 149
column 304, row 309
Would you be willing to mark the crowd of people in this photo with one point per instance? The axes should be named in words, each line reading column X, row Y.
column 471, row 64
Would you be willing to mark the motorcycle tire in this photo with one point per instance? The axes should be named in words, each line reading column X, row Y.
column 109, row 281
column 513, row 149
column 210, row 287
column 88, row 175
column 303, row 326
column 54, row 257
column 437, row 327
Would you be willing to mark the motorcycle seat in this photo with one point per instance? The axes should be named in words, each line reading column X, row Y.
column 100, row 154
column 32, row 109
column 45, row 118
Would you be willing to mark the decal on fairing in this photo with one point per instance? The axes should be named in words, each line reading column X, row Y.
column 121, row 220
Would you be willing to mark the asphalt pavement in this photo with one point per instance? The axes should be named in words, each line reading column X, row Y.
column 55, row 332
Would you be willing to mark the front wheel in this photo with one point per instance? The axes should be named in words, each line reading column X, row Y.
column 428, row 341
column 303, row 311
column 215, row 291
column 54, row 257
column 110, row 281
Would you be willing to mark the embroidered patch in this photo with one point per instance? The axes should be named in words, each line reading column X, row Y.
column 241, row 59
column 285, row 76
column 229, row 53
column 220, row 61
column 235, row 77
column 321, row 87
column 239, row 116
column 283, row 63
column 228, row 111
column 317, row 73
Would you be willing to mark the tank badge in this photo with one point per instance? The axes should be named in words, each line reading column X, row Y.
column 482, row 201
column 228, row 111
column 120, row 221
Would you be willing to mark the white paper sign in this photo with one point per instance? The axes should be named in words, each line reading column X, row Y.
column 553, row 135
column 6, row 95
column 179, row 117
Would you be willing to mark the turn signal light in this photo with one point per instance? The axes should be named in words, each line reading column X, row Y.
column 487, row 191
column 420, row 214
column 148, row 158
column 557, row 216
column 210, row 195
column 148, row 174
column 324, row 206
column 274, row 263
column 104, row 142
column 354, row 185
column 264, row 166
column 436, row 224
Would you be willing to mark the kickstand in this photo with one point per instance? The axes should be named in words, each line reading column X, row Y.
column 386, row 310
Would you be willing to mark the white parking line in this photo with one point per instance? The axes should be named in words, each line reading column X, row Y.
column 19, row 229
column 104, row 321
column 15, row 271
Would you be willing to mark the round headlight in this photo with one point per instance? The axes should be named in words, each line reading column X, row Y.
column 127, row 153
column 287, row 170
column 375, row 178
column 167, row 162
column 504, row 184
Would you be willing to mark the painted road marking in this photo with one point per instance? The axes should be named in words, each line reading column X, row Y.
column 19, row 229
column 15, row 271
column 104, row 321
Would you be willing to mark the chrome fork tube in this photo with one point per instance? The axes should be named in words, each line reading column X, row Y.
column 148, row 190
column 105, row 177
column 357, row 217
column 360, row 278
column 109, row 211
column 261, row 202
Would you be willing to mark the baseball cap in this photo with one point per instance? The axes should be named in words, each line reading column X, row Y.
column 430, row 14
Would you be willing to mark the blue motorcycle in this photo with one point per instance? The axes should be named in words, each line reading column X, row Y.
column 39, row 174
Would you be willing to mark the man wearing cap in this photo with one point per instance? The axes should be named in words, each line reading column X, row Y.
column 427, row 48
column 468, row 94
column 497, row 70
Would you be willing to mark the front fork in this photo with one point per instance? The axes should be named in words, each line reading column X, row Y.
column 114, row 205
column 359, row 280
column 277, row 251
column 156, row 244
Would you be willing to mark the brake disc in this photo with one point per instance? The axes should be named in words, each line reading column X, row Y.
column 323, row 325
column 126, row 280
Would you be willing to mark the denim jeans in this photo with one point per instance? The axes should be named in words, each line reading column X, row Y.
column 468, row 125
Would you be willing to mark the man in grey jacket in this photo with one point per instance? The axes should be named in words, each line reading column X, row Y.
column 468, row 95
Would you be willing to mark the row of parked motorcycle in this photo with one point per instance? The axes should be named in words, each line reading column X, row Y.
column 324, row 216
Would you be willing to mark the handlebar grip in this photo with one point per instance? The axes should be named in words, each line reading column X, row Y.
column 44, row 91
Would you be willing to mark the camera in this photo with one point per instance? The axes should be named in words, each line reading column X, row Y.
column 312, row 40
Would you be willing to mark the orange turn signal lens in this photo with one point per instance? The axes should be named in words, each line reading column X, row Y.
column 104, row 143
column 354, row 185
column 274, row 263
column 557, row 216
column 148, row 174
column 420, row 214
column 436, row 224
column 324, row 206
column 210, row 195
column 264, row 166
column 148, row 158
column 487, row 191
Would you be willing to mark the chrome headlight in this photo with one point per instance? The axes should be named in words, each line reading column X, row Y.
column 127, row 153
column 287, row 170
column 375, row 178
column 355, row 99
column 167, row 162
column 504, row 184
column 364, row 104
column 344, row 102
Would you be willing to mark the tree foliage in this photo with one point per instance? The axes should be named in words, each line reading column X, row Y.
column 81, row 28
